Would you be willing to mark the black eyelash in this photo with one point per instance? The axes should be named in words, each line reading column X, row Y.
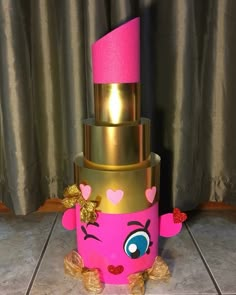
column 147, row 224
column 87, row 236
column 150, row 245
column 146, row 229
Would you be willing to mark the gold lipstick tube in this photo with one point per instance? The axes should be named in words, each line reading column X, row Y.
column 132, row 182
column 116, row 145
column 116, row 152
column 117, row 103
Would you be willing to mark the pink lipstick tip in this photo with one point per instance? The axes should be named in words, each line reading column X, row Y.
column 116, row 56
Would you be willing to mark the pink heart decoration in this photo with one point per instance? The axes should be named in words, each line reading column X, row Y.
column 150, row 194
column 115, row 196
column 85, row 190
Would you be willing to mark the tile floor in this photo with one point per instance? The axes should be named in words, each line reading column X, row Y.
column 202, row 258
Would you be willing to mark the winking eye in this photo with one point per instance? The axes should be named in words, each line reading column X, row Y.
column 87, row 235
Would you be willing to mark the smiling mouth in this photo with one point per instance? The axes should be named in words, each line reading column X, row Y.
column 115, row 270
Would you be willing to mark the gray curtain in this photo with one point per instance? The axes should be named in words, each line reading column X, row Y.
column 188, row 64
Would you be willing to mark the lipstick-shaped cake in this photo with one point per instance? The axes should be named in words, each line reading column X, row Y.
column 117, row 177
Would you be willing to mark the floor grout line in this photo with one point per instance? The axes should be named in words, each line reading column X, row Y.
column 204, row 260
column 41, row 257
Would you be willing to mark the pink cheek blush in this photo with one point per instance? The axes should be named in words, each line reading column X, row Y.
column 167, row 227
column 119, row 244
column 68, row 219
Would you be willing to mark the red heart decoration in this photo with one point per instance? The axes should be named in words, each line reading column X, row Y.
column 179, row 216
column 115, row 270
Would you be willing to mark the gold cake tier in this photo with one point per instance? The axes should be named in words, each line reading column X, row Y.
column 117, row 103
column 132, row 182
column 116, row 144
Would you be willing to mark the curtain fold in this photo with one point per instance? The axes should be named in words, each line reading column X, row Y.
column 218, row 92
column 97, row 24
column 170, row 82
column 73, row 87
column 47, row 96
column 46, row 90
column 18, row 137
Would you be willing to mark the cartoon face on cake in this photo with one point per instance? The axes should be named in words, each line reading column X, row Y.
column 117, row 244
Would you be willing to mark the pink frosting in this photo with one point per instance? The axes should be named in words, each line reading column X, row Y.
column 167, row 226
column 112, row 231
column 109, row 250
column 116, row 56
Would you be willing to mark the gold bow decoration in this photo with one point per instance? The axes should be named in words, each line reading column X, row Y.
column 74, row 266
column 158, row 272
column 73, row 196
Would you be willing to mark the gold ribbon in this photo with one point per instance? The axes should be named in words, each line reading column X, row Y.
column 158, row 272
column 74, row 266
column 72, row 196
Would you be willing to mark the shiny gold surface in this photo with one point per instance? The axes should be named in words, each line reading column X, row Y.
column 117, row 103
column 89, row 164
column 132, row 182
column 116, row 145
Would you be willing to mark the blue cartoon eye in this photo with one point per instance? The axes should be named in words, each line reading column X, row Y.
column 137, row 244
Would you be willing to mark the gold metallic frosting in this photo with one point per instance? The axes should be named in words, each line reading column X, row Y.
column 116, row 152
column 132, row 182
column 117, row 103
column 121, row 145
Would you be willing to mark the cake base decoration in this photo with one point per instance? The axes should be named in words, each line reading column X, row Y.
column 74, row 266
column 113, row 205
